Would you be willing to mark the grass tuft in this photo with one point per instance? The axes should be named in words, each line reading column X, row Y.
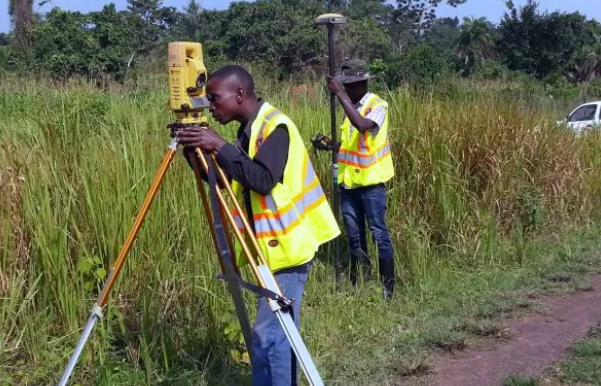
column 520, row 381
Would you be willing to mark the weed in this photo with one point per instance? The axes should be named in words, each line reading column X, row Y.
column 520, row 381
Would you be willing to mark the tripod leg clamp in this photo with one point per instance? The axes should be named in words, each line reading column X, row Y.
column 274, row 305
column 97, row 310
column 281, row 303
column 173, row 144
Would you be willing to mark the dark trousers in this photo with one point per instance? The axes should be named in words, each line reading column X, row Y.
column 368, row 203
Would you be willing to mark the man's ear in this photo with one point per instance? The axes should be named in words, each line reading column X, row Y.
column 240, row 95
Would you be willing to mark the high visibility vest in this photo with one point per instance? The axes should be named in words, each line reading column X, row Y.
column 294, row 219
column 365, row 160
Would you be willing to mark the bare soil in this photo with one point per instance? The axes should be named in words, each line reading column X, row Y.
column 538, row 341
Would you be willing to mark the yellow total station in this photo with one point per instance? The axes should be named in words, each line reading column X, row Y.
column 187, row 82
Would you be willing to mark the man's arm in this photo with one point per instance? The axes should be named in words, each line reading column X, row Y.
column 262, row 173
column 194, row 163
column 360, row 123
column 196, row 137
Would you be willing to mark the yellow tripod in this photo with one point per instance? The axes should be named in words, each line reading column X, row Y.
column 257, row 261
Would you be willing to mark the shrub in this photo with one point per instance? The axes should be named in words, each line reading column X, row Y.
column 419, row 66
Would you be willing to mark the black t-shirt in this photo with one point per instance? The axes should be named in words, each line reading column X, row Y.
column 263, row 172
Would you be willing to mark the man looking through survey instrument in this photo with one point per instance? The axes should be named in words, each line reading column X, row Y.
column 283, row 200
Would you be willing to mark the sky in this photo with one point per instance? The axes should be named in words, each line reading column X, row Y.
column 493, row 10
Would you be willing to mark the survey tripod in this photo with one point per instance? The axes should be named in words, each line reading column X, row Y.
column 216, row 209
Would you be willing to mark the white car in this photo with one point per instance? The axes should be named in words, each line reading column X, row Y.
column 583, row 117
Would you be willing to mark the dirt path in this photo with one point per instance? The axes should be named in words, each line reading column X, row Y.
column 538, row 341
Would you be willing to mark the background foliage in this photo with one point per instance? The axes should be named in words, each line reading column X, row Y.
column 404, row 40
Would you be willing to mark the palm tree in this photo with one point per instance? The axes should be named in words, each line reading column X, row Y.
column 589, row 62
column 475, row 42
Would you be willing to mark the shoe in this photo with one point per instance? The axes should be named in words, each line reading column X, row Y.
column 367, row 275
column 387, row 277
column 365, row 270
column 354, row 271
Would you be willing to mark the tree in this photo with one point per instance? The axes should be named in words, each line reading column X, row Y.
column 379, row 10
column 190, row 21
column 151, row 21
column 112, row 39
column 476, row 43
column 4, row 39
column 443, row 37
column 422, row 10
column 94, row 45
column 412, row 19
column 540, row 44
column 289, row 41
column 276, row 33
column 366, row 34
column 365, row 39
column 62, row 46
column 22, row 17
column 419, row 66
column 588, row 59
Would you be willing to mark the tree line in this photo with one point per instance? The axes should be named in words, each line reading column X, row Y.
column 403, row 41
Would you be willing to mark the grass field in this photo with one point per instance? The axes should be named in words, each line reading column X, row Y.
column 488, row 201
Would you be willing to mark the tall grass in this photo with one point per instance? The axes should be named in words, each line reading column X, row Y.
column 477, row 178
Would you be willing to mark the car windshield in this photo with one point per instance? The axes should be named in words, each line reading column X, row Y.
column 584, row 113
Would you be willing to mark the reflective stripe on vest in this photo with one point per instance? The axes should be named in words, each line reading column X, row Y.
column 272, row 113
column 361, row 160
column 238, row 220
column 280, row 221
column 365, row 159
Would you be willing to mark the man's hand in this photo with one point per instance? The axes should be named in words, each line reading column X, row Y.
column 335, row 86
column 321, row 142
column 206, row 139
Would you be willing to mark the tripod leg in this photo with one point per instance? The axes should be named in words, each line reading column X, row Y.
column 296, row 341
column 264, row 276
column 230, row 217
column 110, row 283
column 234, row 289
column 80, row 345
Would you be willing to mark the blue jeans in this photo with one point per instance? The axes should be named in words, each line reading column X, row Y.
column 367, row 203
column 271, row 357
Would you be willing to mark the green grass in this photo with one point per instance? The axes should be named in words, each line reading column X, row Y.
column 520, row 381
column 486, row 214
column 585, row 364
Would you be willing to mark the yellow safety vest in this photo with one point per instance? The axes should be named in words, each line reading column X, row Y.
column 365, row 160
column 294, row 219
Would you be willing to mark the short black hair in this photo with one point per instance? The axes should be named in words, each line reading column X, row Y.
column 238, row 75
